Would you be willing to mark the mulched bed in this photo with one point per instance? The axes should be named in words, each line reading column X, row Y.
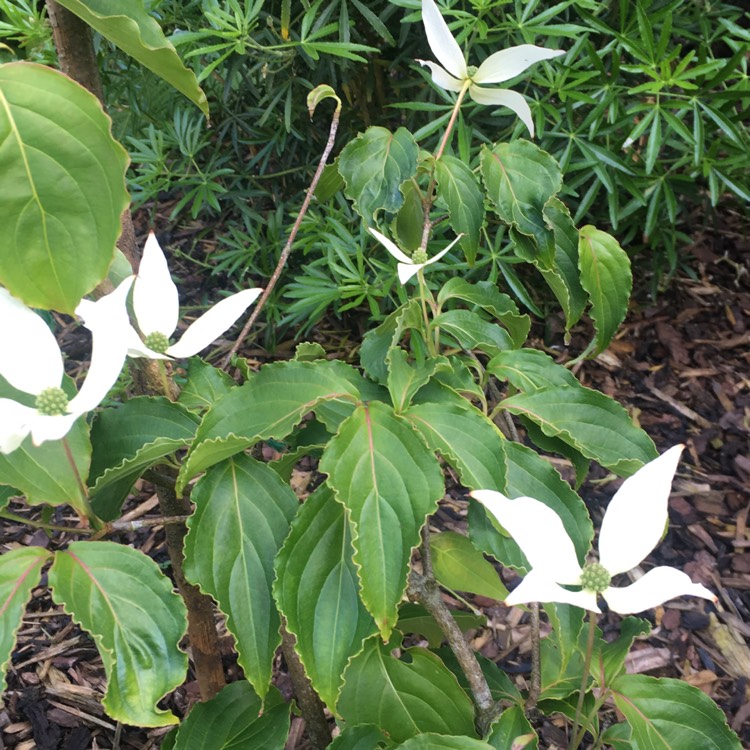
column 681, row 365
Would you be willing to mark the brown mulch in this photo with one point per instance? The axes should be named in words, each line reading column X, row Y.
column 681, row 365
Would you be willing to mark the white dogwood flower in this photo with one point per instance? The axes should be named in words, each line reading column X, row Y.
column 634, row 523
column 454, row 74
column 157, row 310
column 409, row 266
column 31, row 362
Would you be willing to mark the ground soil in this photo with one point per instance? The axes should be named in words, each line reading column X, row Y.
column 680, row 364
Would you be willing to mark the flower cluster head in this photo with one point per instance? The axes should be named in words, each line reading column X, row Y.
column 409, row 266
column 32, row 363
column 156, row 307
column 454, row 74
column 635, row 521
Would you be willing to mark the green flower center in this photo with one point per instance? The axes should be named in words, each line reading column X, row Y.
column 52, row 402
column 419, row 256
column 157, row 342
column 595, row 577
column 471, row 70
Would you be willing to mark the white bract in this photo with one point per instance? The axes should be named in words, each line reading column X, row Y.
column 31, row 361
column 454, row 74
column 409, row 266
column 634, row 523
column 157, row 310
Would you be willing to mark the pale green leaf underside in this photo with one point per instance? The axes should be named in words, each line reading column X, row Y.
column 242, row 516
column 135, row 32
column 316, row 589
column 20, row 570
column 62, row 186
column 126, row 603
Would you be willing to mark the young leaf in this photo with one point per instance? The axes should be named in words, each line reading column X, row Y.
column 235, row 719
column 609, row 661
column 459, row 189
column 460, row 566
column 594, row 424
column 120, row 596
column 20, row 570
column 242, row 516
column 471, row 331
column 135, row 32
column 405, row 379
column 269, row 405
column 388, row 479
column 486, row 295
column 512, row 731
column 404, row 698
column 317, row 592
column 129, row 438
column 606, row 277
column 62, row 178
column 666, row 714
column 374, row 166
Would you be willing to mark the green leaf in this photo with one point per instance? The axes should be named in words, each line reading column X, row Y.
column 20, row 571
column 459, row 189
column 486, row 295
column 529, row 369
column 618, row 737
column 43, row 473
column 530, row 475
column 127, row 25
column 362, row 737
column 471, row 331
column 405, row 379
column 609, row 661
column 235, row 719
column 432, row 741
column 407, row 226
column 316, row 590
column 512, row 731
column 520, row 178
column 205, row 385
column 377, row 342
column 6, row 494
column 126, row 603
column 62, row 185
column 242, row 516
column 389, row 481
column 666, row 714
column 606, row 277
column 413, row 618
column 404, row 698
column 374, row 166
column 500, row 685
column 269, row 405
column 460, row 566
column 563, row 277
column 594, row 424
column 128, row 439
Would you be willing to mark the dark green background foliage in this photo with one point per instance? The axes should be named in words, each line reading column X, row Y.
column 644, row 113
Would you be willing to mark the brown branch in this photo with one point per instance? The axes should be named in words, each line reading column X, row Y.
column 423, row 588
column 310, row 705
column 288, row 246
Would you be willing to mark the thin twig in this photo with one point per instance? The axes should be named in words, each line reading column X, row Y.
column 288, row 247
column 535, row 687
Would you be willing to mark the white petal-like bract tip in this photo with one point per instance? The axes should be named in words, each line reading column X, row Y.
column 659, row 585
column 636, row 517
column 441, row 77
column 213, row 323
column 539, row 587
column 509, row 63
column 155, row 298
column 504, row 98
column 390, row 246
column 442, row 42
column 538, row 531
